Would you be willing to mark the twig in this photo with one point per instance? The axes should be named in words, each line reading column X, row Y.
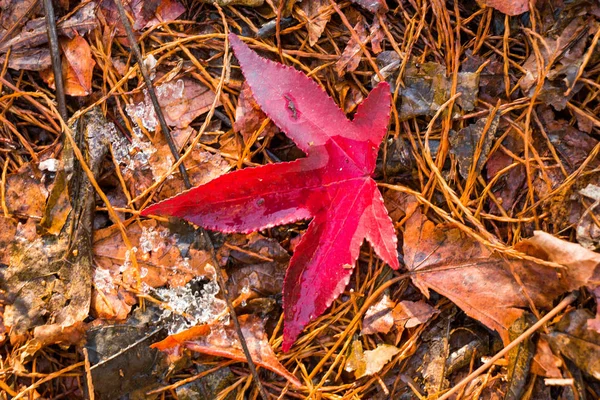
column 566, row 301
column 151, row 93
column 88, row 374
column 55, row 57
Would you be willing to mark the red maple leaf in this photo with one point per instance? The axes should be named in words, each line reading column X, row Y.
column 332, row 185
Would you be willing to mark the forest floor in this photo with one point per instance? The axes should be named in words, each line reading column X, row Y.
column 489, row 171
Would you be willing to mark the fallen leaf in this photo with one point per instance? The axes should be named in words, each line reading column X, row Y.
column 385, row 314
column 8, row 229
column 426, row 86
column 465, row 144
column 545, row 363
column 35, row 31
column 332, row 185
column 350, row 58
column 249, row 117
column 375, row 6
column 483, row 283
column 369, row 362
column 221, row 341
column 583, row 265
column 77, row 67
column 146, row 14
column 181, row 100
column 25, row 180
column 575, row 341
column 317, row 14
column 409, row 314
column 509, row 7
column 379, row 318
column 159, row 258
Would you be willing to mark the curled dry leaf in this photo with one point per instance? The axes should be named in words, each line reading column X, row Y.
column 379, row 318
column 484, row 285
column 384, row 315
column 582, row 265
column 365, row 363
column 350, row 58
column 221, row 340
column 332, row 185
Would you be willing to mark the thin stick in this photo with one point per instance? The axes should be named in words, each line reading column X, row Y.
column 55, row 57
column 566, row 301
column 151, row 93
column 88, row 374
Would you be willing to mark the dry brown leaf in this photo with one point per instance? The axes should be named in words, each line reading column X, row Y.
column 545, row 363
column 379, row 318
column 317, row 14
column 576, row 342
column 25, row 180
column 509, row 7
column 222, row 341
column 583, row 265
column 181, row 100
column 160, row 261
column 249, row 117
column 484, row 284
column 77, row 66
column 408, row 314
column 8, row 229
column 365, row 363
column 350, row 58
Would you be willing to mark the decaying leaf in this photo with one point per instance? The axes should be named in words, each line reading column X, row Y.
column 249, row 117
column 332, row 185
column 181, row 101
column 49, row 277
column 427, row 86
column 221, row 340
column 317, row 14
column 369, row 362
column 385, row 314
column 466, row 142
column 8, row 229
column 483, row 284
column 350, row 58
column 25, row 180
column 160, row 257
column 576, row 342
